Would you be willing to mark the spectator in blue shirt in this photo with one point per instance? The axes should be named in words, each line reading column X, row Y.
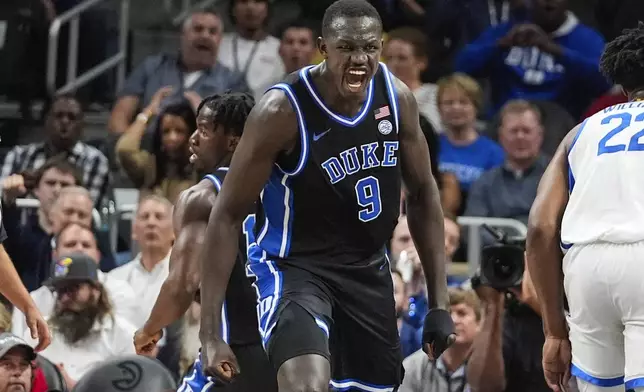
column 552, row 58
column 410, row 339
column 463, row 151
column 508, row 191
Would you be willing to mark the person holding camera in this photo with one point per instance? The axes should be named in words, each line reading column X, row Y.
column 506, row 354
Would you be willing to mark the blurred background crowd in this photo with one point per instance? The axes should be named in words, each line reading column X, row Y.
column 97, row 102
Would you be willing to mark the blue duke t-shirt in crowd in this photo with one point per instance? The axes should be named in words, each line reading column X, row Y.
column 468, row 162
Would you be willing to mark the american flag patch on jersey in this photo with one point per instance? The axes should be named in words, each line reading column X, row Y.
column 382, row 112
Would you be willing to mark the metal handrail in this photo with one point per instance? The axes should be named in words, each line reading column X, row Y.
column 473, row 224
column 75, row 81
column 35, row 203
column 127, row 211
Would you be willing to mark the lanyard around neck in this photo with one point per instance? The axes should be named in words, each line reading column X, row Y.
column 249, row 60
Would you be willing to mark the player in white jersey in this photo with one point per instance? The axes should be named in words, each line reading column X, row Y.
column 586, row 238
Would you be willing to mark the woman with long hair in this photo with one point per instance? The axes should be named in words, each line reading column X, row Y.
column 166, row 170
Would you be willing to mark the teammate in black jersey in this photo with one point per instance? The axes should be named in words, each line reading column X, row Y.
column 326, row 151
column 220, row 122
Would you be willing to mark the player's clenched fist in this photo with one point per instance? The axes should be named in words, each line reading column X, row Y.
column 13, row 187
column 438, row 332
column 219, row 362
column 144, row 343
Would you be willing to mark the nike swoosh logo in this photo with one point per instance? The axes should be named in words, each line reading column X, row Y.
column 318, row 136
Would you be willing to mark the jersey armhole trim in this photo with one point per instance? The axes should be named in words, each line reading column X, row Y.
column 571, row 175
column 391, row 91
column 215, row 181
column 574, row 140
column 301, row 125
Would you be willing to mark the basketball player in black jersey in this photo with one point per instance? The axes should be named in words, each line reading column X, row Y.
column 326, row 151
column 220, row 122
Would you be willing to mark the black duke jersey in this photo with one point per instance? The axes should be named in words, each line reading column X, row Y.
column 239, row 318
column 337, row 195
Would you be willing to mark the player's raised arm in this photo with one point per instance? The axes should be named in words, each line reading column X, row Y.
column 178, row 291
column 271, row 129
column 544, row 258
column 425, row 218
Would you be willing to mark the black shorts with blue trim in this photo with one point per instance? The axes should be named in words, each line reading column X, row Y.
column 345, row 313
column 257, row 374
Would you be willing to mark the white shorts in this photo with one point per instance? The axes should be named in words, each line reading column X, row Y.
column 604, row 285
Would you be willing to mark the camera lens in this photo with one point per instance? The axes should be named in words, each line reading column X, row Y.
column 502, row 265
column 503, row 269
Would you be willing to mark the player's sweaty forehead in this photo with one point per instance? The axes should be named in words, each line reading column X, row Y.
column 357, row 30
column 205, row 117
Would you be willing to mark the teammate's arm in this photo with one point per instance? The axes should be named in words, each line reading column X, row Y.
column 543, row 253
column 177, row 293
column 12, row 288
column 271, row 128
column 424, row 211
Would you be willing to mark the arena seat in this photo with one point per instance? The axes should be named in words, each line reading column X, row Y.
column 55, row 380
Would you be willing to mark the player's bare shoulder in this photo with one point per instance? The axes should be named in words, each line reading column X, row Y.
column 569, row 139
column 274, row 117
column 195, row 203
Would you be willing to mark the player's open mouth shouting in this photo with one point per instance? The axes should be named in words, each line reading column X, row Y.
column 356, row 79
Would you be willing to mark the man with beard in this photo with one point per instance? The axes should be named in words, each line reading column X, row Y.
column 84, row 328
column 75, row 237
column 220, row 122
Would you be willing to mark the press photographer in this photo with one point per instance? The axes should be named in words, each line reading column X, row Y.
column 506, row 355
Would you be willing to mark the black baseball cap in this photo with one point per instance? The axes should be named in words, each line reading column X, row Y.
column 73, row 268
column 9, row 341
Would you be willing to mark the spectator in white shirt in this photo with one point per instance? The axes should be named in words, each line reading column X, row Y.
column 75, row 238
column 297, row 49
column 250, row 50
column 84, row 328
column 406, row 56
column 297, row 45
column 152, row 230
